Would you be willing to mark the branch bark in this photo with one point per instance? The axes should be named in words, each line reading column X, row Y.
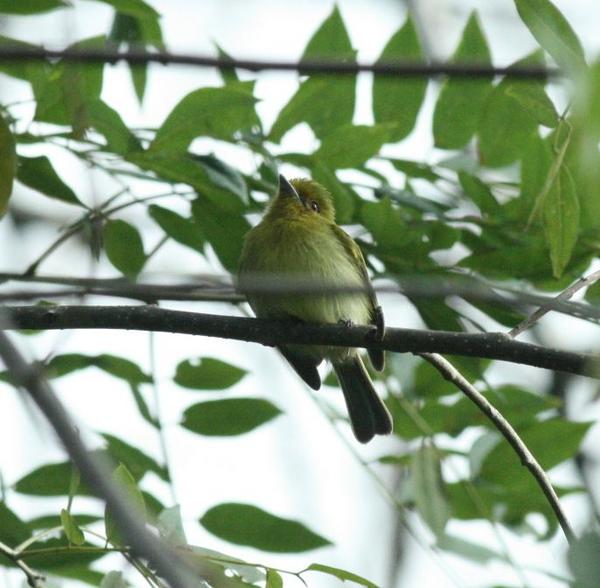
column 272, row 333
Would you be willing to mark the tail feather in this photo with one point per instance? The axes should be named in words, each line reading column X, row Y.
column 368, row 414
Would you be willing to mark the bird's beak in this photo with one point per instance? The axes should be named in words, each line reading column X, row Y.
column 286, row 190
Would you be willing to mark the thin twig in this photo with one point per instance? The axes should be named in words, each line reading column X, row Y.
column 219, row 288
column 34, row 579
column 312, row 66
column 551, row 305
column 450, row 373
column 279, row 332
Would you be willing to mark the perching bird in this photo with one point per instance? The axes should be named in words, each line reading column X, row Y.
column 298, row 239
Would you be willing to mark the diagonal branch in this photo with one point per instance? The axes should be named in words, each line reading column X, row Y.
column 273, row 332
column 34, row 579
column 450, row 373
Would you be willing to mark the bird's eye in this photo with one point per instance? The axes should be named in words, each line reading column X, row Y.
column 314, row 205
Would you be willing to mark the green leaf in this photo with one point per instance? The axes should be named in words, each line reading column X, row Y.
column 502, row 464
column 460, row 103
column 224, row 176
column 207, row 112
column 414, row 169
column 39, row 174
column 51, row 521
column 561, row 220
column 190, row 169
column 468, row 550
column 125, row 369
column 226, row 244
column 72, row 532
column 30, row 70
column 428, row 488
column 123, row 479
column 63, row 94
column 13, row 530
column 583, row 560
column 136, row 8
column 342, row 575
column 31, row 7
column 245, row 524
column 8, row 164
column 506, row 126
column 227, row 417
column 480, row 194
column 181, row 229
column 552, row 31
column 137, row 462
column 274, row 580
column 399, row 103
column 358, row 144
column 114, row 579
column 533, row 99
column 109, row 123
column 124, row 247
column 228, row 75
column 323, row 102
column 170, row 526
column 48, row 480
column 386, row 224
column 207, row 373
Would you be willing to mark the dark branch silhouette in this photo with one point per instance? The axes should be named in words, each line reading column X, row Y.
column 271, row 332
column 321, row 66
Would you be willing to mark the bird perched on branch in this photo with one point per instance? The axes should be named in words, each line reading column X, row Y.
column 298, row 239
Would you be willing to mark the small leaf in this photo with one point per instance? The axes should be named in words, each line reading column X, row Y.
column 399, row 103
column 480, row 194
column 226, row 244
column 228, row 74
column 460, row 103
column 330, row 41
column 208, row 373
column 109, row 123
column 8, row 164
column 170, row 526
column 358, row 144
column 469, row 550
column 561, row 220
column 123, row 478
column 231, row 416
column 114, row 579
column 274, row 580
column 124, row 247
column 245, row 524
column 207, row 112
column 30, row 7
column 533, row 98
column 136, row 461
column 72, row 532
column 428, row 489
column 342, row 575
column 13, row 530
column 38, row 173
column 583, row 560
column 552, row 31
column 51, row 479
column 181, row 229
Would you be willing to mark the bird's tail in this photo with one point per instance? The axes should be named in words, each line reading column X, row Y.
column 368, row 414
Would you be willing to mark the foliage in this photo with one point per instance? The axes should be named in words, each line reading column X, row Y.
column 510, row 197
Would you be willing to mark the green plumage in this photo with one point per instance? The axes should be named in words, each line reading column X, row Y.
column 298, row 239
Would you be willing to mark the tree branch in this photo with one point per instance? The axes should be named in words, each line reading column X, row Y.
column 34, row 579
column 450, row 373
column 308, row 66
column 273, row 332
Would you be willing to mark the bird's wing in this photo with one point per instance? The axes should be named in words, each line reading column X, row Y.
column 375, row 355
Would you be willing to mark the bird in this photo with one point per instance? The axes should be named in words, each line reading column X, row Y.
column 298, row 239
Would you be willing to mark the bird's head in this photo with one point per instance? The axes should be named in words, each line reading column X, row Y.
column 303, row 199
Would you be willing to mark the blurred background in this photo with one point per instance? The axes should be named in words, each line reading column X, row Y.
column 299, row 466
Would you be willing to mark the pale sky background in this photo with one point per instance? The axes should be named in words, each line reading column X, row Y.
column 296, row 466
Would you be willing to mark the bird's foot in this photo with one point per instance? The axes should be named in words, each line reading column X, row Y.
column 346, row 322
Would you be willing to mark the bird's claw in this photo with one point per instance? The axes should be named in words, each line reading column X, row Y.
column 378, row 324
